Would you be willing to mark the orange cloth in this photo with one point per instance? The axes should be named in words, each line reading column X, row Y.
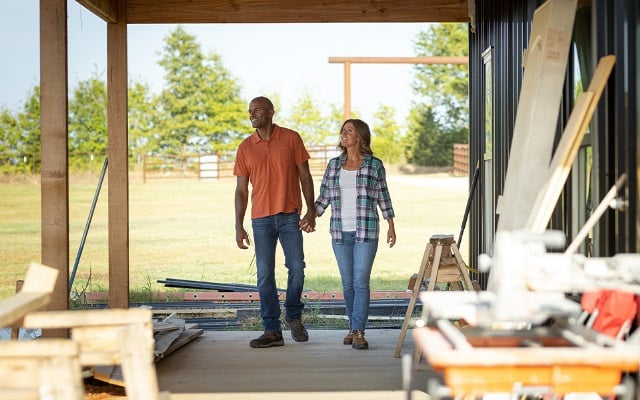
column 614, row 308
column 272, row 170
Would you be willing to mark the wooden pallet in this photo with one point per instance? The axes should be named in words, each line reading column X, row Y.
column 40, row 369
column 46, row 368
column 110, row 337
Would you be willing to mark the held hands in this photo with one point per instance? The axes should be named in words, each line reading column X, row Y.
column 308, row 222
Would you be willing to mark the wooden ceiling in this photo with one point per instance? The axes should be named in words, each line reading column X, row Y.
column 282, row 11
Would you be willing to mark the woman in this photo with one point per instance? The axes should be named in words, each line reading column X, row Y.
column 355, row 185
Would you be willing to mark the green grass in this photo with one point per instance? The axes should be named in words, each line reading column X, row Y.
column 185, row 229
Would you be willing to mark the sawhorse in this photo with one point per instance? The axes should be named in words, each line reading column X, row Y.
column 441, row 263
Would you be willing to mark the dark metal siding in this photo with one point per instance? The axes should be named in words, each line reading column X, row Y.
column 505, row 25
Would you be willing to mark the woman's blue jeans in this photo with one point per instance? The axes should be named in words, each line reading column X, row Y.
column 266, row 233
column 355, row 261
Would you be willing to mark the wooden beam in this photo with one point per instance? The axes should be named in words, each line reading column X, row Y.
column 118, row 161
column 288, row 11
column 471, row 5
column 13, row 308
column 105, row 9
column 347, row 89
column 54, row 148
column 347, row 61
column 402, row 60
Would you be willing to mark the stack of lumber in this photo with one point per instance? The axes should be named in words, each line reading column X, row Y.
column 169, row 335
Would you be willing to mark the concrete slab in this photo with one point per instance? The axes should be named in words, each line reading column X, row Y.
column 221, row 362
column 370, row 395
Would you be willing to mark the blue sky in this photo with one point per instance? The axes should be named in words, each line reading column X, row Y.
column 286, row 59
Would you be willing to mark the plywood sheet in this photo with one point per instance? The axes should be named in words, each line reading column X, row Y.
column 538, row 107
column 568, row 146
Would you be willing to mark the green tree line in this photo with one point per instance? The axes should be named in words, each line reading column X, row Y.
column 200, row 110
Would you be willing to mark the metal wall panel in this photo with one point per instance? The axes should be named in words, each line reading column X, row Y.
column 505, row 25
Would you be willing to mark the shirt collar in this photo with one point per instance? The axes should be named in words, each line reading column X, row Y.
column 274, row 135
column 365, row 158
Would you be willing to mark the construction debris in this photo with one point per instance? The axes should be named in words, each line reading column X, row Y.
column 169, row 335
column 220, row 287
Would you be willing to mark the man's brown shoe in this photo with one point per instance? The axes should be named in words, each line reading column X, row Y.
column 359, row 341
column 349, row 338
column 268, row 339
column 298, row 331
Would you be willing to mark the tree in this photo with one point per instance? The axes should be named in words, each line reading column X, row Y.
column 307, row 119
column 10, row 152
column 444, row 90
column 200, row 109
column 387, row 140
column 336, row 119
column 430, row 143
column 142, row 110
column 444, row 87
column 422, row 130
column 29, row 125
column 88, row 122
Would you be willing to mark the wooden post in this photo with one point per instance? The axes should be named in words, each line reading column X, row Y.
column 347, row 90
column 118, row 160
column 54, row 149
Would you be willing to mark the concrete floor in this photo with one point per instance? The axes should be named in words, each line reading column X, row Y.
column 221, row 365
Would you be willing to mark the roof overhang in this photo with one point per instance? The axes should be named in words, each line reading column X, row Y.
column 282, row 11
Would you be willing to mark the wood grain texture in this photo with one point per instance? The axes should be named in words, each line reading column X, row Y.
column 54, row 148
column 568, row 147
column 118, row 162
column 537, row 113
column 34, row 295
column 292, row 11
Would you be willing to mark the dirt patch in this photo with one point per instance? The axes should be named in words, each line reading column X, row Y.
column 98, row 390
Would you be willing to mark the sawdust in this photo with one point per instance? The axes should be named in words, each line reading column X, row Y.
column 98, row 390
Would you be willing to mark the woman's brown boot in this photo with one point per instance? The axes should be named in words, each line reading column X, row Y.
column 349, row 338
column 359, row 342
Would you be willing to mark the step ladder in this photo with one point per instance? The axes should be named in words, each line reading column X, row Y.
column 441, row 263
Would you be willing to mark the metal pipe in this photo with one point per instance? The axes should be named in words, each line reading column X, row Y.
column 597, row 213
column 474, row 181
column 86, row 226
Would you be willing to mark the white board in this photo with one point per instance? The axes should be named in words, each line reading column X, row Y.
column 538, row 108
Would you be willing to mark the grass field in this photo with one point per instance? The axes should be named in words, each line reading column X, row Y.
column 185, row 229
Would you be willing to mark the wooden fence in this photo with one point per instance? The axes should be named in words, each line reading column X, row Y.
column 460, row 159
column 217, row 166
column 220, row 165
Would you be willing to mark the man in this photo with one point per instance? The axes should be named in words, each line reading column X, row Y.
column 275, row 161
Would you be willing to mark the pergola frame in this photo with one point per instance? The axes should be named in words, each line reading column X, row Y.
column 347, row 61
column 118, row 14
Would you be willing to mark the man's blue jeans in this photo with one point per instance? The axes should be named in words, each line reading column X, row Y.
column 266, row 232
column 355, row 261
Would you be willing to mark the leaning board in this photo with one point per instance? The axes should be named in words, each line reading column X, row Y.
column 568, row 146
column 545, row 63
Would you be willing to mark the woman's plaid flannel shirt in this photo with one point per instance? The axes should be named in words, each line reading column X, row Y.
column 371, row 190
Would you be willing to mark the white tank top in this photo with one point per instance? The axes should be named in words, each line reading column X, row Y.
column 348, row 199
